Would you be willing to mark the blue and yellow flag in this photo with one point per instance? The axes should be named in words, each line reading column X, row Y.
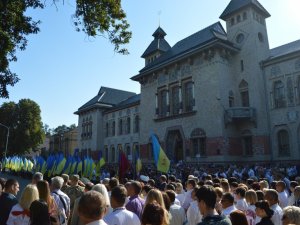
column 161, row 160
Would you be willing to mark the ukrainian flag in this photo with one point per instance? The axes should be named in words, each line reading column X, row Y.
column 161, row 160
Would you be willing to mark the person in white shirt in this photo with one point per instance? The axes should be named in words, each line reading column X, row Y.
column 282, row 194
column 19, row 213
column 176, row 211
column 91, row 208
column 241, row 203
column 61, row 199
column 227, row 202
column 291, row 200
column 180, row 193
column 120, row 215
column 190, row 185
column 272, row 197
column 193, row 214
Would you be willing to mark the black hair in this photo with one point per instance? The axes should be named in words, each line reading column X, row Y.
column 39, row 213
column 208, row 195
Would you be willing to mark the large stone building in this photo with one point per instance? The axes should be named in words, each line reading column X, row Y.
column 214, row 96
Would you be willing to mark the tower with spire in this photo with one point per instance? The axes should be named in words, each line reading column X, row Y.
column 157, row 47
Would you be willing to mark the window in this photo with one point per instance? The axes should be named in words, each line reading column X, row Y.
column 128, row 125
column 238, row 19
column 242, row 65
column 290, row 91
column 244, row 15
column 106, row 154
column 113, row 128
column 106, row 129
column 240, row 38
column 232, row 21
column 188, row 96
column 198, row 140
column 113, row 154
column 175, row 100
column 244, row 93
column 163, row 107
column 247, row 143
column 120, row 126
column 136, row 124
column 279, row 98
column 283, row 143
column 260, row 37
column 298, row 89
column 231, row 99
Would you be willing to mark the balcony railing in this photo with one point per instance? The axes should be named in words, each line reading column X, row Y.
column 237, row 114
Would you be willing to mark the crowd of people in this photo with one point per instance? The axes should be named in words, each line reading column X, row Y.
column 212, row 195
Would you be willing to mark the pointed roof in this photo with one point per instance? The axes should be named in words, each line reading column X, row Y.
column 159, row 33
column 158, row 44
column 236, row 5
column 106, row 97
column 200, row 39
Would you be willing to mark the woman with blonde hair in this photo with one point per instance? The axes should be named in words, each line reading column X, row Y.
column 155, row 195
column 251, row 199
column 44, row 193
column 19, row 214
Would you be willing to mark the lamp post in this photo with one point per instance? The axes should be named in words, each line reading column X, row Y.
column 6, row 138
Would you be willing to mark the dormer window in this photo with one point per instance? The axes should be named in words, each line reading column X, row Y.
column 232, row 21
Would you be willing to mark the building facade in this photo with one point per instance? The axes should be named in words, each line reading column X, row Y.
column 215, row 96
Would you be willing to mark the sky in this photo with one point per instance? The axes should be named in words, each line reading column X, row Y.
column 62, row 69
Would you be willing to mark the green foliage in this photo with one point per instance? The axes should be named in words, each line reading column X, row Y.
column 26, row 128
column 94, row 17
column 14, row 27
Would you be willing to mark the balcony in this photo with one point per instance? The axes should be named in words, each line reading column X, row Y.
column 238, row 114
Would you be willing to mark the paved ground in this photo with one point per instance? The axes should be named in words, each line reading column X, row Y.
column 23, row 182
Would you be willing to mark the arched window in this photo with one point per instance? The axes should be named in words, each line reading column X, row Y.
column 128, row 125
column 283, row 143
column 188, row 97
column 238, row 19
column 231, row 99
column 279, row 98
column 120, row 126
column 198, row 141
column 136, row 124
column 244, row 15
column 243, row 87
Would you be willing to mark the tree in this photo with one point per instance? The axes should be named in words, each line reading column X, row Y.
column 94, row 17
column 24, row 121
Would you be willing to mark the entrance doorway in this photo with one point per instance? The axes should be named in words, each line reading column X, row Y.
column 174, row 145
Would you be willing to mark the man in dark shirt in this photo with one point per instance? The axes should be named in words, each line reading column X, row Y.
column 207, row 198
column 8, row 199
